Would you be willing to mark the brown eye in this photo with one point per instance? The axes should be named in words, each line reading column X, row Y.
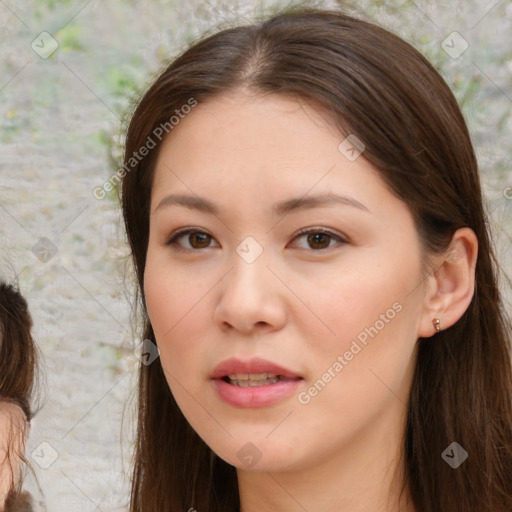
column 196, row 239
column 318, row 239
column 200, row 238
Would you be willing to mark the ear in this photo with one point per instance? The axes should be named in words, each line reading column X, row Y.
column 450, row 287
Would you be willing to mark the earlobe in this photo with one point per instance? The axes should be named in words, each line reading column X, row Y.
column 452, row 284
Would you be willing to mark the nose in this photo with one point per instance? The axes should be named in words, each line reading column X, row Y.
column 250, row 297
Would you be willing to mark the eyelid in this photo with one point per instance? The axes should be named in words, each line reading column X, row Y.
column 172, row 240
column 326, row 231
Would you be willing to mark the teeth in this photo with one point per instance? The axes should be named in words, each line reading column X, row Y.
column 251, row 376
column 261, row 376
column 252, row 383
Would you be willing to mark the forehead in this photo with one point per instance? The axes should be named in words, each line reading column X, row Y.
column 276, row 139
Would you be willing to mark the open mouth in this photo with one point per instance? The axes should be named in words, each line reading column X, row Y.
column 255, row 379
column 257, row 383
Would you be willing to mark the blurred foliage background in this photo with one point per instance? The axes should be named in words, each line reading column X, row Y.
column 62, row 120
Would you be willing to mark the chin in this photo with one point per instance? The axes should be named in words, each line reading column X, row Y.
column 259, row 456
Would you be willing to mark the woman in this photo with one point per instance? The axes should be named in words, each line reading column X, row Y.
column 18, row 363
column 303, row 206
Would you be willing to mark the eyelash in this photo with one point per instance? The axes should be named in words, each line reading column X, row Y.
column 173, row 240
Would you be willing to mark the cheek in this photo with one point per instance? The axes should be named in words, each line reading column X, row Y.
column 176, row 312
column 356, row 299
column 362, row 374
column 363, row 332
column 169, row 294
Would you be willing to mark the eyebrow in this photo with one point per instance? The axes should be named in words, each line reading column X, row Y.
column 279, row 209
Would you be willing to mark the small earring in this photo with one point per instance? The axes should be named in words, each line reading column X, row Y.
column 436, row 322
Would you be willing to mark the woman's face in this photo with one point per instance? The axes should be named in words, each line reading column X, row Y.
column 338, row 308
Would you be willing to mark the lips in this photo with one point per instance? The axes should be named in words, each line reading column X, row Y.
column 254, row 383
column 253, row 366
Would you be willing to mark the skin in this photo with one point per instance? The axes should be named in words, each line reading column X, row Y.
column 13, row 432
column 301, row 303
column 12, row 438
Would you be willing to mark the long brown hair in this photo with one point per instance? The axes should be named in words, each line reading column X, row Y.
column 18, row 381
column 378, row 87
